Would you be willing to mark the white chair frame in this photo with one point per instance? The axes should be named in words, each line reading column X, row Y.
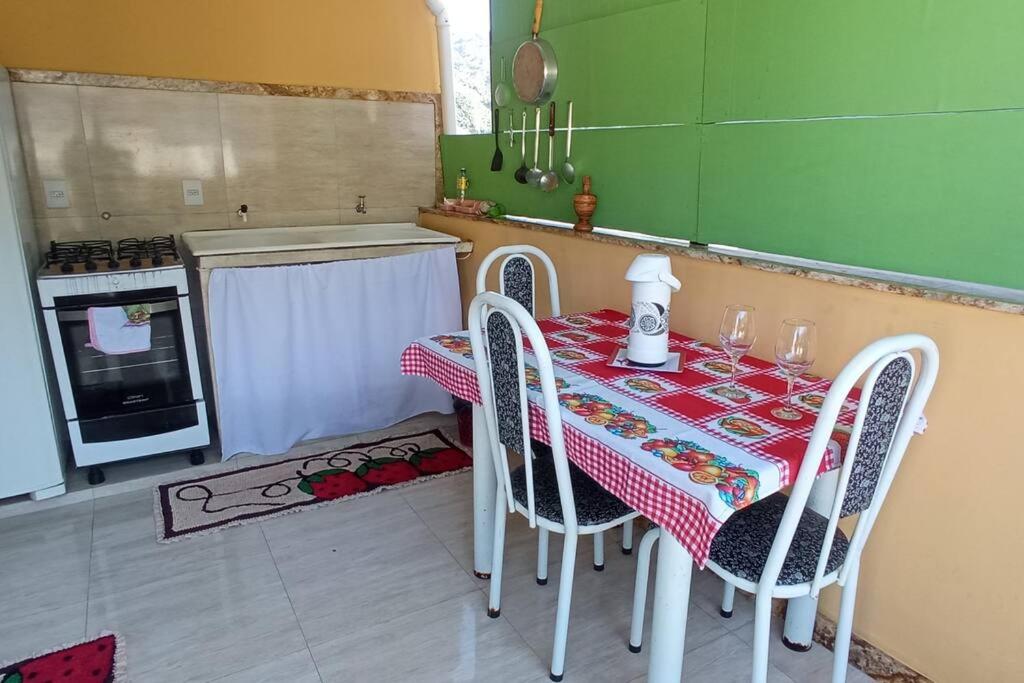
column 524, row 251
column 870, row 361
column 482, row 308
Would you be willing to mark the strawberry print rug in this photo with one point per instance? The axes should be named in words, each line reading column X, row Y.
column 206, row 504
column 100, row 660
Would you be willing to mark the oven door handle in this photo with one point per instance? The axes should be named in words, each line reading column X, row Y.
column 82, row 315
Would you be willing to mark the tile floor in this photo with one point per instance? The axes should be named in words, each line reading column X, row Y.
column 375, row 589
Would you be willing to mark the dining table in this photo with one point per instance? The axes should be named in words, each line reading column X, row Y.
column 685, row 449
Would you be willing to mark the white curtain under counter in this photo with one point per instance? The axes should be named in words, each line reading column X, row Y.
column 312, row 350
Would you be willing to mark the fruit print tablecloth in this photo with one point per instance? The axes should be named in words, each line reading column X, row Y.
column 685, row 450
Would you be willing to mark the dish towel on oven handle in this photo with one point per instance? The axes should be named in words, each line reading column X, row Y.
column 308, row 351
column 115, row 330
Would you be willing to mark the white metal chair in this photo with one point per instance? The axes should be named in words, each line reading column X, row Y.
column 781, row 548
column 550, row 492
column 517, row 280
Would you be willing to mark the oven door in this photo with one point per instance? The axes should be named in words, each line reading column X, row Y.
column 111, row 385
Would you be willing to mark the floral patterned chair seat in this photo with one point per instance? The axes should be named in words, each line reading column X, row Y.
column 742, row 545
column 594, row 505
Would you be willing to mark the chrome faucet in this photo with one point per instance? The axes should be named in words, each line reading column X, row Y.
column 361, row 206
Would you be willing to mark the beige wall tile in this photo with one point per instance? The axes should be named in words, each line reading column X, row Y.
column 120, row 227
column 386, row 152
column 279, row 153
column 276, row 219
column 63, row 229
column 408, row 214
column 143, row 143
column 53, row 142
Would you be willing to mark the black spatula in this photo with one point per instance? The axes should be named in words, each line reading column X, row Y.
column 497, row 159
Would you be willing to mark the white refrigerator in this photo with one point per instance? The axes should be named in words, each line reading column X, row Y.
column 30, row 450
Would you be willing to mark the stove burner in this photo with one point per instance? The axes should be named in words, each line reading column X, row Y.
column 69, row 253
column 160, row 250
column 155, row 249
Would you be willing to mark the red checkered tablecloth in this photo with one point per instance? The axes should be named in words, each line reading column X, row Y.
column 685, row 450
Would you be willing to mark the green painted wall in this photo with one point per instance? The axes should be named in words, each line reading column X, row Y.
column 930, row 181
column 769, row 59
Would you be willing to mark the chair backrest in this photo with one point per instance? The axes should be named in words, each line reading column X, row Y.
column 891, row 403
column 497, row 325
column 517, row 279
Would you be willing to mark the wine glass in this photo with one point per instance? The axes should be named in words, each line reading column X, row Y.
column 737, row 334
column 794, row 354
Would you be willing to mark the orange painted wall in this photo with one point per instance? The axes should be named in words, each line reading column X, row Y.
column 939, row 587
column 385, row 44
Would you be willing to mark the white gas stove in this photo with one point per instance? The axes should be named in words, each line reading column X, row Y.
column 119, row 325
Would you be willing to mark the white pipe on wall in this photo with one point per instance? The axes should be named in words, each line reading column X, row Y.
column 444, row 58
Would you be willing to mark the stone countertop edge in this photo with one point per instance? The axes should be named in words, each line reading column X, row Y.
column 653, row 243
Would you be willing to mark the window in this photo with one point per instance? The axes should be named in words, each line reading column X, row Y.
column 471, row 38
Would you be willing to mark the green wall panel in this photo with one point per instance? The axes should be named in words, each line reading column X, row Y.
column 644, row 66
column 512, row 19
column 645, row 178
column 929, row 193
column 933, row 195
column 771, row 59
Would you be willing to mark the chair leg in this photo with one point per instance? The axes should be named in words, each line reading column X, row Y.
column 643, row 571
column 599, row 552
column 627, row 537
column 728, row 597
column 562, row 614
column 498, row 559
column 844, row 630
column 762, row 633
column 542, row 556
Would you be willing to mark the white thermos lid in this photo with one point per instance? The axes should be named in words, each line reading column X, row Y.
column 653, row 268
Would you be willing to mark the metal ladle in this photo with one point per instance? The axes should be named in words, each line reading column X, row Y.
column 568, row 172
column 549, row 181
column 521, row 171
column 534, row 174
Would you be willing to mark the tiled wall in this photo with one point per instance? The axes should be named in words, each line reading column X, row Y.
column 292, row 160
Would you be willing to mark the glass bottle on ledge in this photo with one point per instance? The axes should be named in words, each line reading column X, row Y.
column 462, row 185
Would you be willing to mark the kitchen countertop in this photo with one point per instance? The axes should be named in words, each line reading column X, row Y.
column 304, row 238
column 986, row 297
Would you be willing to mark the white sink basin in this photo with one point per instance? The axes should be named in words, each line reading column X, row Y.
column 256, row 240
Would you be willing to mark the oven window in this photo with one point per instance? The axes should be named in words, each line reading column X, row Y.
column 106, row 384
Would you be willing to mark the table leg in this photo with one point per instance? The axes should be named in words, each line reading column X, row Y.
column 798, row 633
column 485, row 486
column 671, row 600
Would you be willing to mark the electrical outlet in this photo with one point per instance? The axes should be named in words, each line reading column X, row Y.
column 193, row 192
column 57, row 195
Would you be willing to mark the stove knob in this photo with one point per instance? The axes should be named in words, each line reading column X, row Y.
column 67, row 267
column 136, row 262
column 113, row 264
column 90, row 265
column 115, row 282
column 158, row 260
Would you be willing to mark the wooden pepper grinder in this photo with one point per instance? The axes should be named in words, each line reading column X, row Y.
column 584, row 204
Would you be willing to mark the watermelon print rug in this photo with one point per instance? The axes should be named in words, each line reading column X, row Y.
column 100, row 660
column 207, row 504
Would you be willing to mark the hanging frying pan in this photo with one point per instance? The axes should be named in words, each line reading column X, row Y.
column 535, row 69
